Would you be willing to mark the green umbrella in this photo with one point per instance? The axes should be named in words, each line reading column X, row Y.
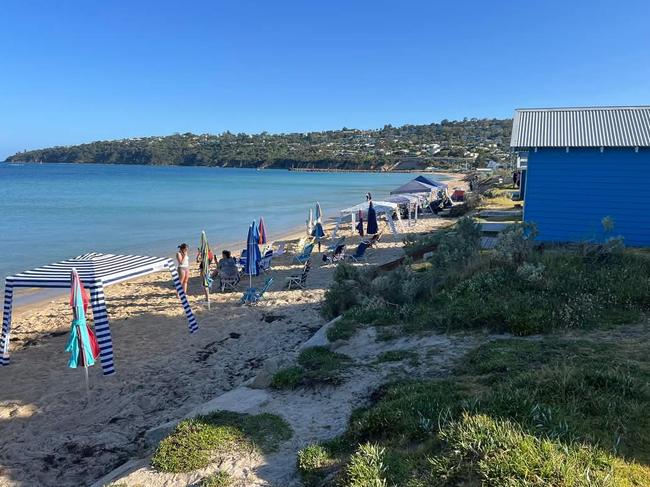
column 204, row 258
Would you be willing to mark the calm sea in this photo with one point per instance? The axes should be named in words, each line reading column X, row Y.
column 51, row 212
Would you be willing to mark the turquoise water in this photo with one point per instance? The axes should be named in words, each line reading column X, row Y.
column 52, row 212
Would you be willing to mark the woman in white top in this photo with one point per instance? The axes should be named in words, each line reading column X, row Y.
column 183, row 260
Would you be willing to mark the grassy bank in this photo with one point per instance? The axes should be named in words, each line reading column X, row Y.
column 567, row 407
column 549, row 412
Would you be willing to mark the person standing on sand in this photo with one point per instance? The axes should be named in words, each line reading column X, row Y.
column 183, row 259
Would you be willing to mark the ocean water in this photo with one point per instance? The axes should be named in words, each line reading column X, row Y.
column 50, row 212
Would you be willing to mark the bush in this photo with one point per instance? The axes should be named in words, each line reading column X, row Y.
column 396, row 356
column 344, row 292
column 219, row 479
column 194, row 442
column 515, row 244
column 343, row 329
column 366, row 467
column 314, row 461
column 316, row 365
column 288, row 378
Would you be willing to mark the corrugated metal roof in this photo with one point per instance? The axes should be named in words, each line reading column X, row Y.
column 581, row 127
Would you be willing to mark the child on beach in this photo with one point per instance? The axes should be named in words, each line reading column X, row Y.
column 183, row 259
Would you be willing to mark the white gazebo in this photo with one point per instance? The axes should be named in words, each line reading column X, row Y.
column 385, row 208
column 96, row 271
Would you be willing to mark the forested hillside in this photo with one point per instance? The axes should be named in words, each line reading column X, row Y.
column 443, row 144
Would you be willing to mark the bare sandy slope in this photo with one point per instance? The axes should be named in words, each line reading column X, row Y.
column 51, row 435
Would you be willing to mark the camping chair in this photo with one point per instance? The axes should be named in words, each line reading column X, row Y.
column 299, row 280
column 243, row 259
column 305, row 254
column 281, row 249
column 265, row 262
column 373, row 240
column 337, row 256
column 228, row 282
column 253, row 296
column 360, row 253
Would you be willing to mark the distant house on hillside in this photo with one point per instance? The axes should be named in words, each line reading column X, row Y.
column 585, row 164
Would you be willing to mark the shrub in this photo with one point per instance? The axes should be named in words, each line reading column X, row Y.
column 313, row 463
column 515, row 243
column 366, row 467
column 316, row 365
column 344, row 292
column 194, row 442
column 343, row 329
column 219, row 479
column 287, row 378
column 396, row 356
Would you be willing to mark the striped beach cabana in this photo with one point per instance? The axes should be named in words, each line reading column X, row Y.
column 96, row 271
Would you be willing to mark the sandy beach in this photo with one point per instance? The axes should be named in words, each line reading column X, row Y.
column 53, row 435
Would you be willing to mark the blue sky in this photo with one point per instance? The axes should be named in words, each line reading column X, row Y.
column 77, row 71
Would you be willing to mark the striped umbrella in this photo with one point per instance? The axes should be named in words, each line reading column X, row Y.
column 82, row 343
column 204, row 258
column 262, row 232
column 253, row 253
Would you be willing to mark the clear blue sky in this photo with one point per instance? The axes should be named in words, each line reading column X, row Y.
column 77, row 71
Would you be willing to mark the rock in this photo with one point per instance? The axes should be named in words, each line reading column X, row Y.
column 265, row 376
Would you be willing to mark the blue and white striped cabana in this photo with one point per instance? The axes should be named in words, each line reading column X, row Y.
column 96, row 271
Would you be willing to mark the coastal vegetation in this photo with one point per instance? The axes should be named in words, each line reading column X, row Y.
column 195, row 442
column 566, row 407
column 316, row 366
column 446, row 144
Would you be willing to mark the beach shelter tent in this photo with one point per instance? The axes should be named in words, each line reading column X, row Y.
column 431, row 182
column 96, row 271
column 386, row 208
column 415, row 186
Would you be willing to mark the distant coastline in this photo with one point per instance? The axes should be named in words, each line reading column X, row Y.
column 445, row 145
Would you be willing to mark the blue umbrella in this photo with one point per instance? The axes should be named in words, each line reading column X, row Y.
column 372, row 221
column 253, row 255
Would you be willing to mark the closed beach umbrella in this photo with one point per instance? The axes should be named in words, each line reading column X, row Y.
column 253, row 253
column 82, row 344
column 360, row 224
column 319, row 213
column 205, row 257
column 261, row 230
column 310, row 222
column 372, row 220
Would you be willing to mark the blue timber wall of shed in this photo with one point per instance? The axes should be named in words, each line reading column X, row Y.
column 569, row 193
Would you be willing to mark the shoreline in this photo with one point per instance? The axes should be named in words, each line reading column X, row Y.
column 163, row 372
column 29, row 300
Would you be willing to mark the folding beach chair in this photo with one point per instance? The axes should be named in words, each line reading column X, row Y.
column 337, row 256
column 228, row 282
column 253, row 296
column 265, row 262
column 299, row 280
column 360, row 253
column 281, row 249
column 305, row 254
column 374, row 239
